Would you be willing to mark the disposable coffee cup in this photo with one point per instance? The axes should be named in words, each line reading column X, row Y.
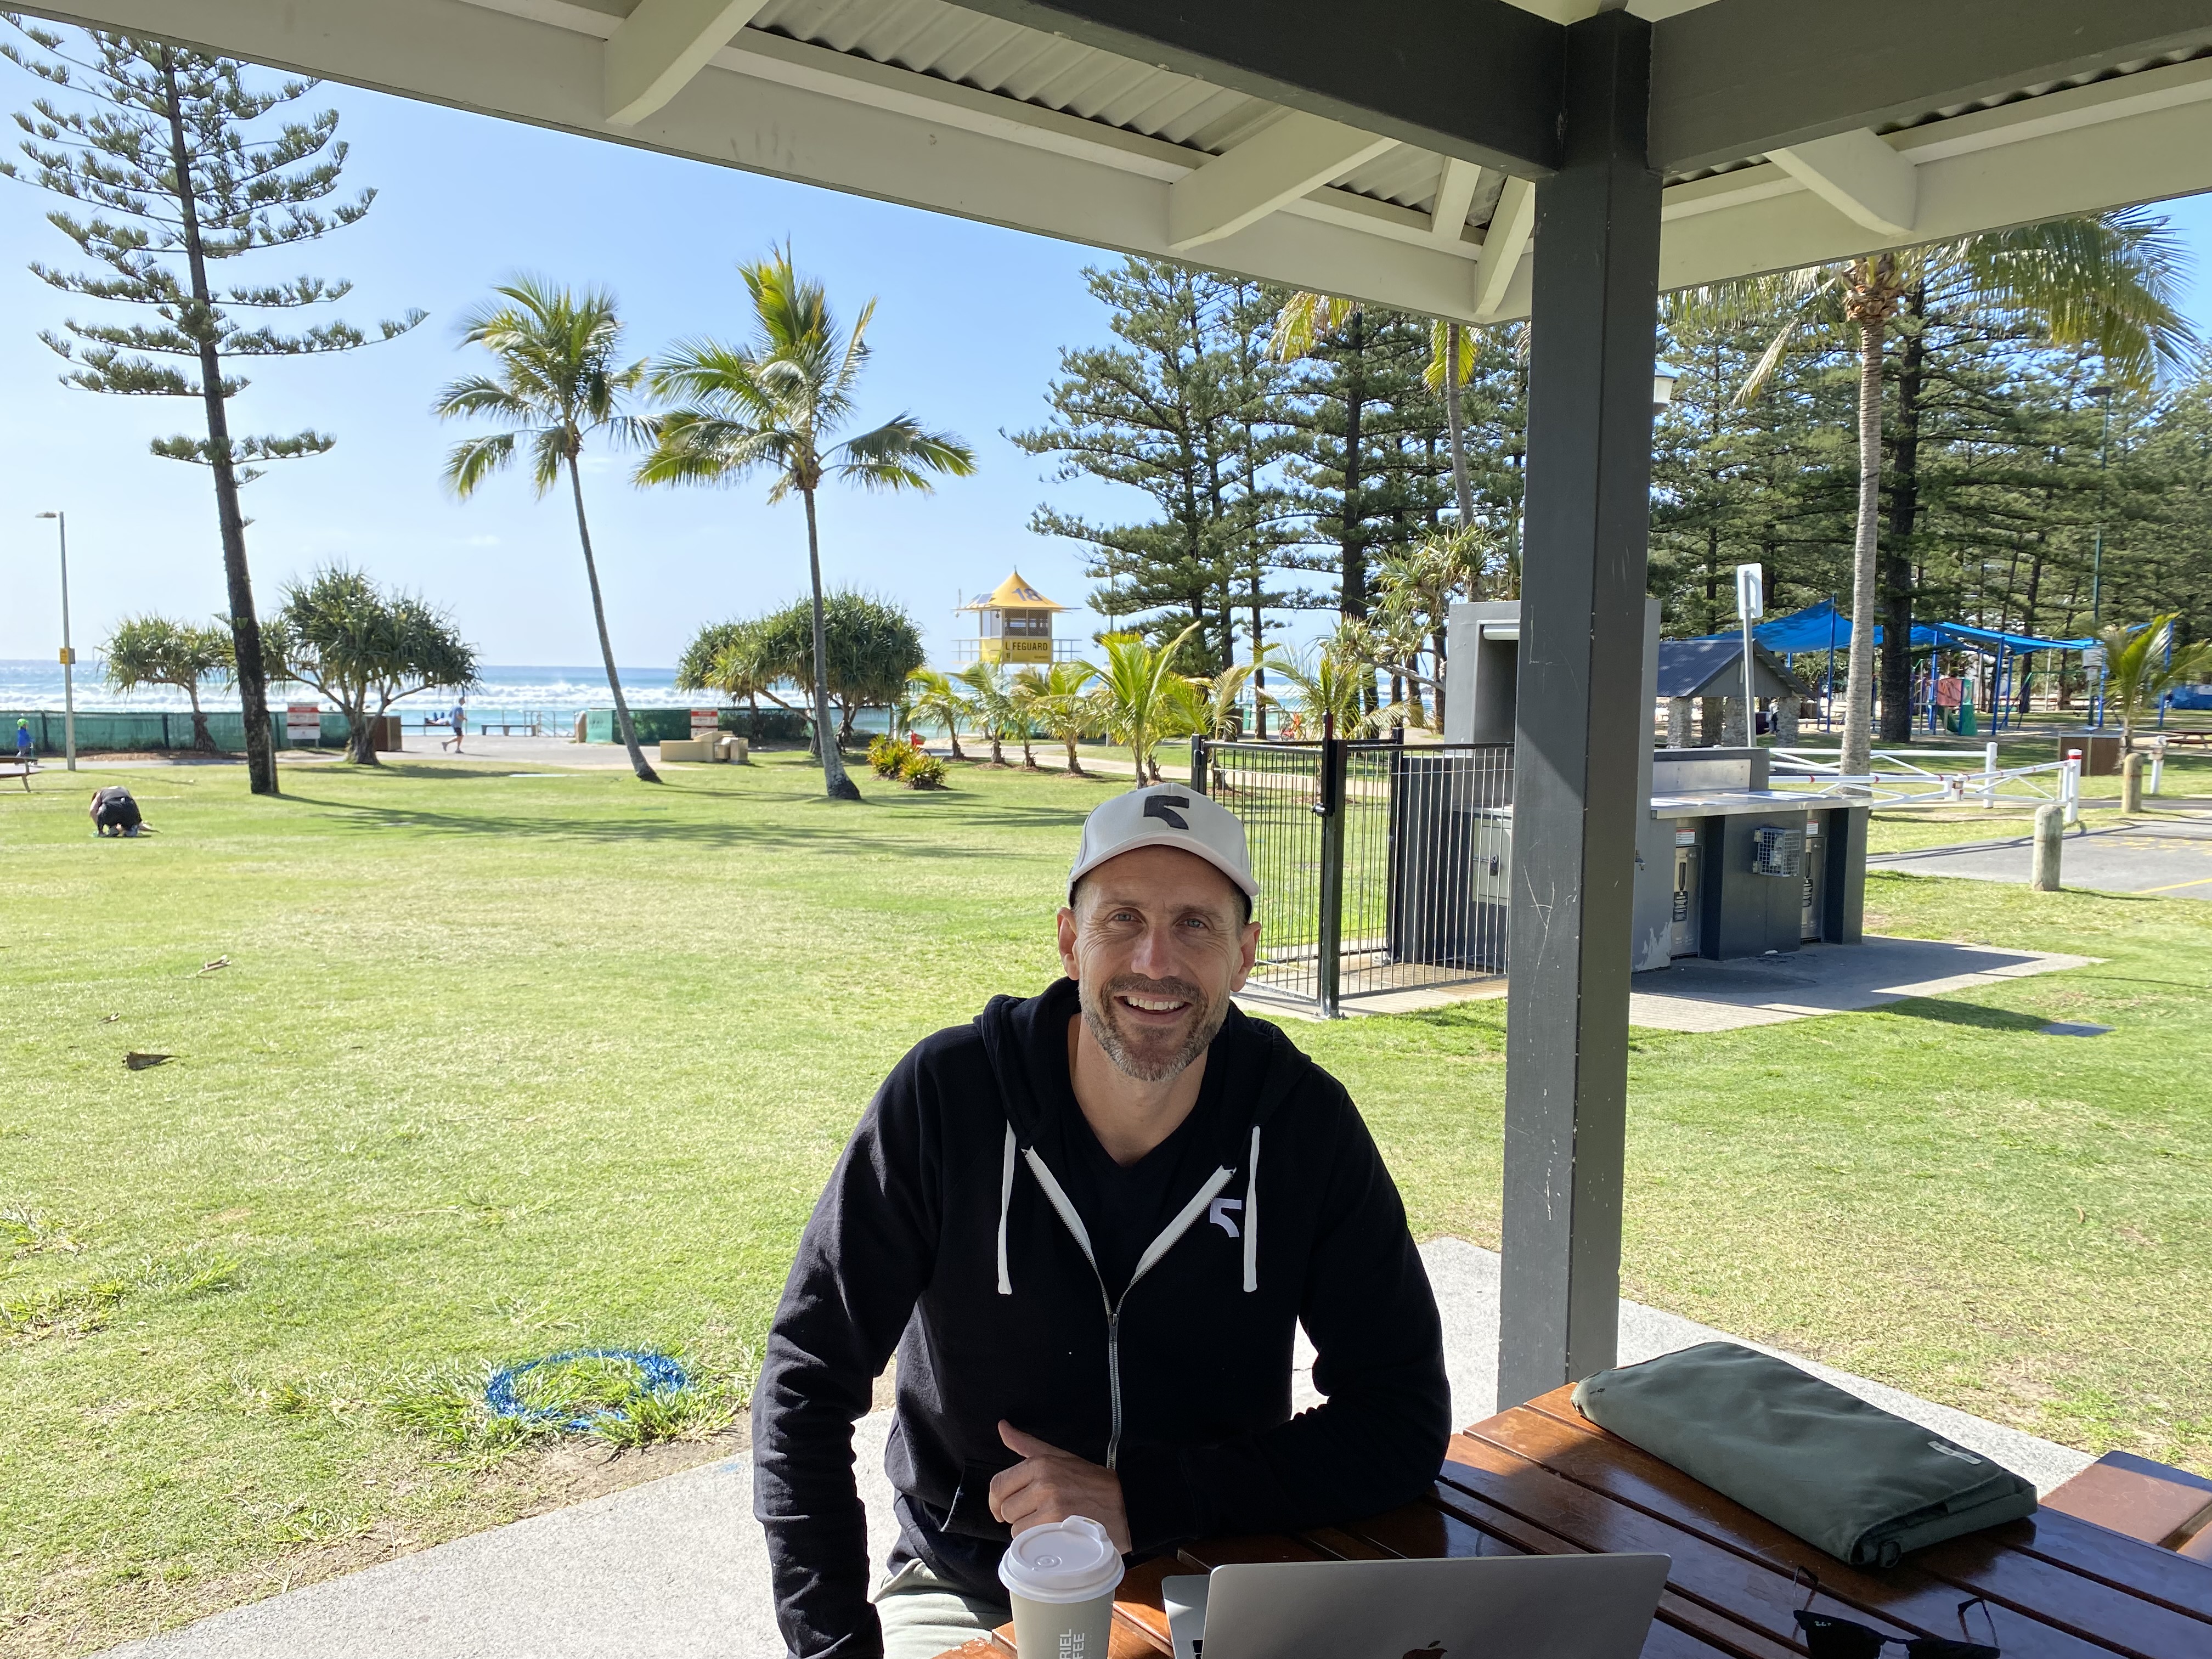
column 1061, row 1578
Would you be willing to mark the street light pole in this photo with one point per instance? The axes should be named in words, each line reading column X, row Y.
column 69, row 654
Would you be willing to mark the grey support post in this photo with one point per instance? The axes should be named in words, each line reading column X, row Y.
column 1581, row 719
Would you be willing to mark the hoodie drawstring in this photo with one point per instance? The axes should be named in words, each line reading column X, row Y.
column 1006, row 1203
column 1251, row 1221
column 1174, row 1231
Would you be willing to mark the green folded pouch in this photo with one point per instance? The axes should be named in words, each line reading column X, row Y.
column 1859, row 1483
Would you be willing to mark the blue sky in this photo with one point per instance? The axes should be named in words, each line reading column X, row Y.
column 968, row 328
column 969, row 322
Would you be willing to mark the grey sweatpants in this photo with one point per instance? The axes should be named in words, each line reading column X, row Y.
column 923, row 1616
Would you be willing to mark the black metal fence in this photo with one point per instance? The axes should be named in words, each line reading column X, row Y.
column 1382, row 867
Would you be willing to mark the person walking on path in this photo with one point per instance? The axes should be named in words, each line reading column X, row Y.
column 458, row 718
column 1053, row 1214
column 23, row 740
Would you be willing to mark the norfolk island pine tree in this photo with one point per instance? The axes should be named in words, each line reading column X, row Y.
column 171, row 155
column 2108, row 280
column 773, row 404
column 557, row 381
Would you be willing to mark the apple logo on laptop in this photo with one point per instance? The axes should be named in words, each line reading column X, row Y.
column 1434, row 1650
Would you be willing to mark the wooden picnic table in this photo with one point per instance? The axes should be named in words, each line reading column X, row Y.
column 1541, row 1479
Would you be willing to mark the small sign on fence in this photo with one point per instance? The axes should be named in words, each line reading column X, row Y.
column 303, row 723
column 705, row 722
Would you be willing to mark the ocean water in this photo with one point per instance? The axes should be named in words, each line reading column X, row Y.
column 503, row 692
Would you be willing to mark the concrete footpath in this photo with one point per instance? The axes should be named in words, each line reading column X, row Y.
column 676, row 1568
column 2170, row 854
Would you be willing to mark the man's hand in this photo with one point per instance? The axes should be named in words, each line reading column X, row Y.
column 1051, row 1485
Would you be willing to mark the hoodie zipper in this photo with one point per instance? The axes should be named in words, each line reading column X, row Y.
column 1159, row 1247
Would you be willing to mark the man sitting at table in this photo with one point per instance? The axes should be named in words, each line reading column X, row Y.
column 1092, row 1222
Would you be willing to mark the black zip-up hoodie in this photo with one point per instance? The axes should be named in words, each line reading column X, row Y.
column 946, row 1231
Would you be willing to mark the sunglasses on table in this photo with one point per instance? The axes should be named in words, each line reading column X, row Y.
column 1827, row 1636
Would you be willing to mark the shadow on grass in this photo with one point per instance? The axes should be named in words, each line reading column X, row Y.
column 599, row 824
column 1979, row 1015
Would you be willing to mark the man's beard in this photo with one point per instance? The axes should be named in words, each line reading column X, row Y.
column 1149, row 1056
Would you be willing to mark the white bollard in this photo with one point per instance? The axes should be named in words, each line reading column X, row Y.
column 2069, row 787
column 2157, row 766
column 1988, row 777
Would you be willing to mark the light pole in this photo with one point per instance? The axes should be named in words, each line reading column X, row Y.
column 68, row 655
column 2103, row 394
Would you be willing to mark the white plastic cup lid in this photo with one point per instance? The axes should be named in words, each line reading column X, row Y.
column 1070, row 1560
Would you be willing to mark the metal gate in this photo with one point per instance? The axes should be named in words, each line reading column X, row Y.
column 1382, row 867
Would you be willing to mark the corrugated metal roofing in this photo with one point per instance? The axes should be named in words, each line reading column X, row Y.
column 929, row 37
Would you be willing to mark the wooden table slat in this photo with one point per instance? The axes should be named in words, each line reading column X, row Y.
column 2001, row 1563
column 1753, row 1592
column 1541, row 1479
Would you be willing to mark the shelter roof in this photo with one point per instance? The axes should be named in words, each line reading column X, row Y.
column 1822, row 626
column 1014, row 593
column 1714, row 668
column 1787, row 131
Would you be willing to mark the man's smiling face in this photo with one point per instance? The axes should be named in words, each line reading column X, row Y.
column 1157, row 941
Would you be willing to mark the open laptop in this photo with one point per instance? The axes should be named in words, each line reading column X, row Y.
column 1490, row 1607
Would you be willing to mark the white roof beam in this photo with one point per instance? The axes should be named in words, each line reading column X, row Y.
column 1456, row 187
column 1860, row 176
column 1512, row 225
column 657, row 50
column 1298, row 154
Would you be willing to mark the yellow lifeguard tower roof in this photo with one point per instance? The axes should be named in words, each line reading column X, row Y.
column 1014, row 593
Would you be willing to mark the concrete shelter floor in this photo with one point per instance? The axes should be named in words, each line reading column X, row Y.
column 2170, row 855
column 676, row 1568
column 1696, row 995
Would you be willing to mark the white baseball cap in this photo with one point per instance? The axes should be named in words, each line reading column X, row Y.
column 1165, row 815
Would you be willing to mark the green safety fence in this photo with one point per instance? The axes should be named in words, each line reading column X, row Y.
column 99, row 732
column 674, row 724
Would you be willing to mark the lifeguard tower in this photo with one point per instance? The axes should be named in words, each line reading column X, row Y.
column 1013, row 624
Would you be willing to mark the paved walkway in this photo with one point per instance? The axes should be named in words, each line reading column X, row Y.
column 676, row 1568
column 2167, row 855
column 1695, row 995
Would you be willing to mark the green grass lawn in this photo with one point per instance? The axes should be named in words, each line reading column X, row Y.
column 501, row 1065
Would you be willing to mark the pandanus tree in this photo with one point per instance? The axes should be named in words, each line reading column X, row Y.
column 365, row 648
column 558, row 378
column 158, row 651
column 774, row 404
column 2108, row 282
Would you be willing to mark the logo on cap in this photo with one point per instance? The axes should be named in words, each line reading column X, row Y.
column 1162, row 807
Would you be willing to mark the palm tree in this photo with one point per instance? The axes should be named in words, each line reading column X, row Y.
column 2142, row 663
column 2107, row 281
column 938, row 698
column 993, row 703
column 1057, row 700
column 558, row 378
column 1137, row 694
column 1332, row 680
column 1212, row 706
column 774, row 402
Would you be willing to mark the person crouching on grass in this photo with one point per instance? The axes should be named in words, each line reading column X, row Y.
column 1090, row 1224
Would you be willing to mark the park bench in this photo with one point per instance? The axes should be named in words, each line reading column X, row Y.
column 1541, row 1479
column 21, row 769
